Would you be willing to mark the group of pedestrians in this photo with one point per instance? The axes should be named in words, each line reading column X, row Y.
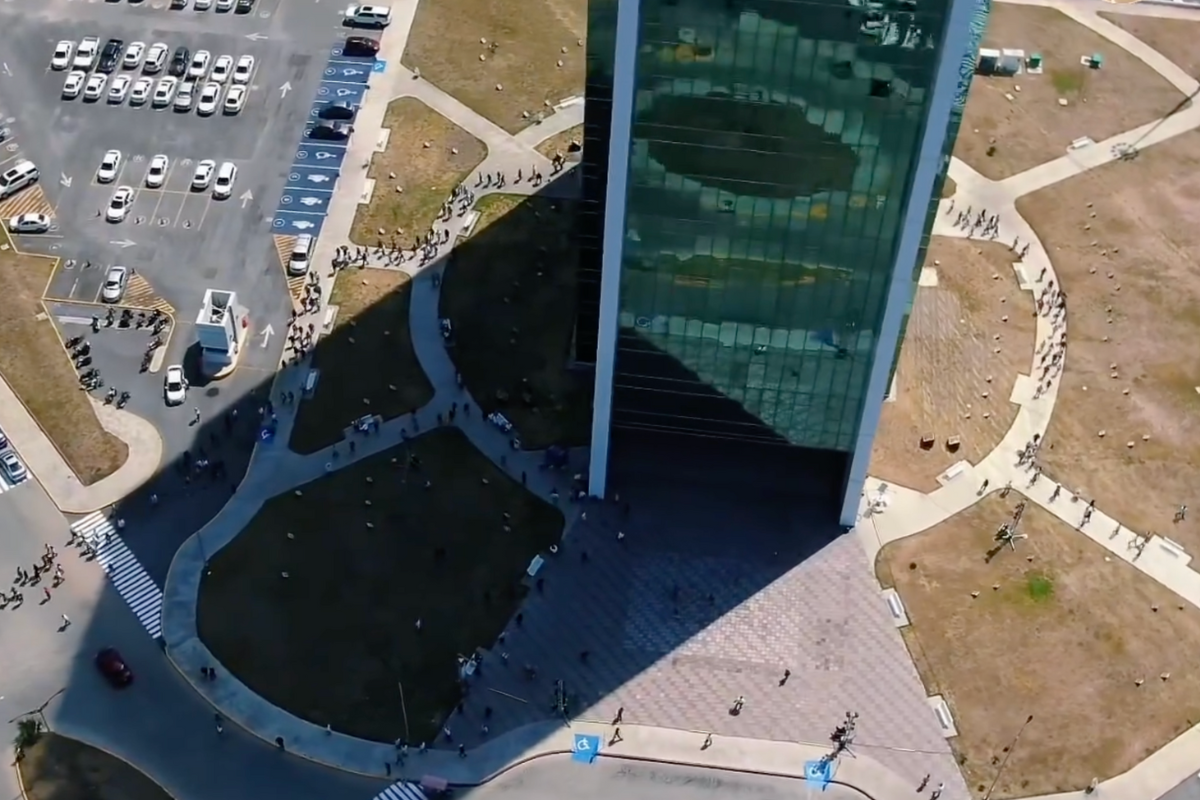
column 34, row 577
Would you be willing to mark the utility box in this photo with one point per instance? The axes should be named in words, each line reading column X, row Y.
column 220, row 329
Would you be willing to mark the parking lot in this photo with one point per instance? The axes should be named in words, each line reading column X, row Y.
column 178, row 241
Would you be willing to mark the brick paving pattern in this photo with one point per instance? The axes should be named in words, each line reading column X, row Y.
column 709, row 598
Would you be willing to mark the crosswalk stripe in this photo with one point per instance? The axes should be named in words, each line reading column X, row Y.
column 404, row 790
column 141, row 294
column 283, row 249
column 32, row 200
column 122, row 568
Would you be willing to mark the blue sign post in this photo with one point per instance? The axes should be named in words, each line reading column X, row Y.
column 586, row 748
column 819, row 774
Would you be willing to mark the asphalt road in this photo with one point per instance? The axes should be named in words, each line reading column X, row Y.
column 557, row 777
column 158, row 723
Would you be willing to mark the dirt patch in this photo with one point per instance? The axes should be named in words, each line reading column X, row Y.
column 949, row 187
column 1060, row 630
column 1133, row 287
column 532, row 48
column 444, row 540
column 1174, row 38
column 560, row 143
column 37, row 368
column 948, row 355
column 1033, row 128
column 426, row 174
column 58, row 768
column 513, row 310
column 367, row 364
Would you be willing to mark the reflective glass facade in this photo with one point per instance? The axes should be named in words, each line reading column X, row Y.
column 773, row 150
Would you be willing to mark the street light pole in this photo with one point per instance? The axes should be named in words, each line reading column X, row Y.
column 1007, row 755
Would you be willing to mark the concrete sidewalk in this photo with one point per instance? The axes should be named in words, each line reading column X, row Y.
column 47, row 464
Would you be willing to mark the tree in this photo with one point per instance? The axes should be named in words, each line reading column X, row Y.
column 29, row 730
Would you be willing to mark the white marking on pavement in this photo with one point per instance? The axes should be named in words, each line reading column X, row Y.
column 132, row 582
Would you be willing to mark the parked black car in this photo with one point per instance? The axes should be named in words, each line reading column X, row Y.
column 342, row 111
column 110, row 56
column 337, row 132
column 179, row 62
column 244, row 7
column 360, row 46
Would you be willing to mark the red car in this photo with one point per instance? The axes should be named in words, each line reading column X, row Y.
column 113, row 667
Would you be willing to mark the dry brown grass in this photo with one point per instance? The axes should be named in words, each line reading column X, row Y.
column 1032, row 128
column 1064, row 637
column 58, row 768
column 559, row 142
column 513, row 311
column 427, row 175
column 946, row 360
column 36, row 367
column 368, row 356
column 1174, row 38
column 530, row 38
column 1141, row 259
column 949, row 187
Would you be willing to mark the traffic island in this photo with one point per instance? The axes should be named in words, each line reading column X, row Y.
column 54, row 767
column 349, row 601
column 509, row 292
column 37, row 368
column 1050, row 626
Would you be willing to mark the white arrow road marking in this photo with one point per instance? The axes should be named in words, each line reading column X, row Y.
column 256, row 37
column 267, row 333
column 123, row 243
column 246, row 197
column 283, row 90
column 65, row 179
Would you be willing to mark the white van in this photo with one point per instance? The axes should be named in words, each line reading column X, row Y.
column 23, row 173
column 369, row 16
column 301, row 255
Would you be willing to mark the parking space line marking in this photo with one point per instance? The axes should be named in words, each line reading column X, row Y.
column 179, row 212
column 283, row 249
column 204, row 213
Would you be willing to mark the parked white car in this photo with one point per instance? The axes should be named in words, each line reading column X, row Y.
column 244, row 69
column 203, row 175
column 164, row 91
column 62, row 55
column 119, row 205
column 140, row 92
column 31, row 222
column 221, row 69
column 119, row 89
column 94, row 88
column 210, row 98
column 156, row 58
column 156, row 173
column 134, row 54
column 185, row 96
column 12, row 466
column 110, row 165
column 235, row 99
column 226, row 176
column 73, row 85
column 199, row 66
column 85, row 54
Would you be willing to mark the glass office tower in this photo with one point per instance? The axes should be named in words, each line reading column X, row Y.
column 761, row 177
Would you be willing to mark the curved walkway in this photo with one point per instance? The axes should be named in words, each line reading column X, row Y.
column 904, row 512
column 889, row 512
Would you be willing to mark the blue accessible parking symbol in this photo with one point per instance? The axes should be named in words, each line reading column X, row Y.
column 819, row 774
column 306, row 200
column 354, row 73
column 586, row 748
column 266, row 434
column 293, row 223
column 351, row 93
